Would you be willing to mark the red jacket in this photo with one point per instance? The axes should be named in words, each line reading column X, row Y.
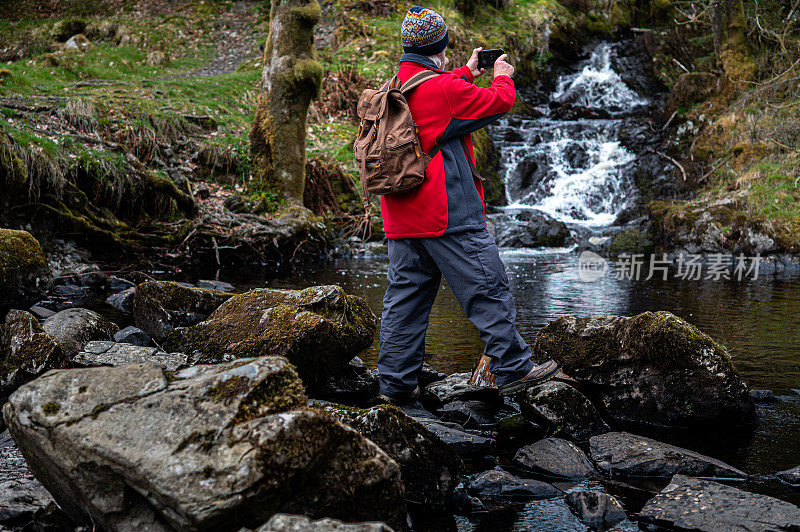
column 445, row 109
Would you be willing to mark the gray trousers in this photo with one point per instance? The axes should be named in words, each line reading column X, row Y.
column 470, row 262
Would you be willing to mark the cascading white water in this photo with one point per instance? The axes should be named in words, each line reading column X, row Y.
column 574, row 170
column 597, row 86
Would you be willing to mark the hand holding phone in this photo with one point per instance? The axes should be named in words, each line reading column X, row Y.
column 486, row 58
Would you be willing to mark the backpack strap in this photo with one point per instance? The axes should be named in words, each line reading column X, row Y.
column 417, row 79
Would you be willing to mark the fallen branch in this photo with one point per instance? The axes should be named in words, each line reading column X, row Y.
column 715, row 168
column 666, row 125
column 670, row 159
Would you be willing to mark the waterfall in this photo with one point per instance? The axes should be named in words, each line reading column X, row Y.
column 575, row 170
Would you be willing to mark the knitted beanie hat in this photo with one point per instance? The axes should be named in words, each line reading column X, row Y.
column 424, row 32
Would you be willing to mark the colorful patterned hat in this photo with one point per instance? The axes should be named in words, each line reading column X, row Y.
column 423, row 32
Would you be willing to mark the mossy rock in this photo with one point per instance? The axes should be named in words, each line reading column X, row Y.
column 632, row 240
column 26, row 352
column 319, row 329
column 24, row 273
column 64, row 29
column 430, row 469
column 652, row 369
column 220, row 446
column 161, row 306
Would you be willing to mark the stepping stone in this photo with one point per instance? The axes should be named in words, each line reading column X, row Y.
column 554, row 457
column 706, row 506
column 628, row 455
column 596, row 509
column 114, row 354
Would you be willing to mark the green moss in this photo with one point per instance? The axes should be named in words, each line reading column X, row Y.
column 309, row 13
column 631, row 240
column 99, row 409
column 51, row 409
column 203, row 440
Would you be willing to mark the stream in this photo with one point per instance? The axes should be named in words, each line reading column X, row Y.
column 576, row 170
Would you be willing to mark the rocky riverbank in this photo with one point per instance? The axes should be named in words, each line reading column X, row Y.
column 224, row 409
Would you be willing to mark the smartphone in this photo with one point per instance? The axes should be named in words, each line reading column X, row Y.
column 486, row 58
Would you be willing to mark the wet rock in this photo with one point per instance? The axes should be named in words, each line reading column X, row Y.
column 706, row 506
column 123, row 300
column 64, row 29
column 352, row 385
column 319, row 329
column 596, row 509
column 554, row 458
column 26, row 351
column 21, row 495
column 75, row 327
column 118, row 284
column 222, row 286
column 301, row 523
column 763, row 396
column 790, row 476
column 532, row 229
column 652, row 369
column 41, row 312
column 124, row 354
column 470, row 414
column 430, row 469
column 624, row 454
column 161, row 306
column 501, row 485
column 467, row 445
column 132, row 335
column 457, row 387
column 563, row 407
column 229, row 443
column 24, row 274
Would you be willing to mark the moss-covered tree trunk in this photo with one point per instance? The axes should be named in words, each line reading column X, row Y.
column 291, row 79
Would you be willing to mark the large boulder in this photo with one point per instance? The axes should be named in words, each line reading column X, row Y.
column 26, row 352
column 554, row 458
column 161, row 306
column 24, row 273
column 569, row 412
column 650, row 369
column 430, row 468
column 220, row 446
column 75, row 327
column 319, row 329
column 628, row 455
column 705, row 506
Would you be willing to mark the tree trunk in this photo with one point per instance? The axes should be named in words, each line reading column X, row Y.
column 291, row 79
column 718, row 29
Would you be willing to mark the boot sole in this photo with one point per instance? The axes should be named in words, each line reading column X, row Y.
column 520, row 385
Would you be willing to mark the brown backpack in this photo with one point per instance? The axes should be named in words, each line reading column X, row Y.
column 387, row 149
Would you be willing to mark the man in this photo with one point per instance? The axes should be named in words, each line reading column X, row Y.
column 440, row 229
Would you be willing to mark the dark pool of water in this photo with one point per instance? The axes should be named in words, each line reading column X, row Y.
column 758, row 320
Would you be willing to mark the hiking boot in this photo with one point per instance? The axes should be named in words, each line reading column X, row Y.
column 539, row 374
column 404, row 399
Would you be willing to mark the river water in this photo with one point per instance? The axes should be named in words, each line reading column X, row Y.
column 577, row 171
